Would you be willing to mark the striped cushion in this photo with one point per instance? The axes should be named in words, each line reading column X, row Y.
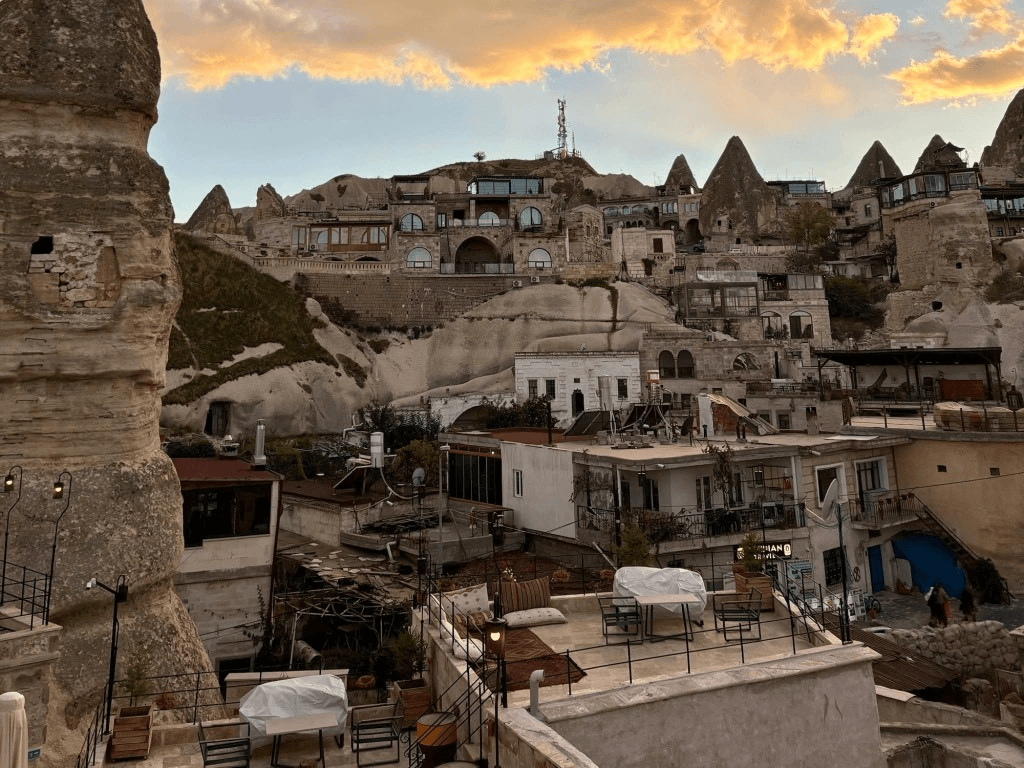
column 522, row 596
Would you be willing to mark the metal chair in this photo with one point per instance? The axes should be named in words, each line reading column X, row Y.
column 374, row 727
column 742, row 610
column 620, row 616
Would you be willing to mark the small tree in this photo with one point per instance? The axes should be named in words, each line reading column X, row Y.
column 479, row 155
column 723, row 470
column 635, row 548
column 887, row 249
column 751, row 551
column 806, row 224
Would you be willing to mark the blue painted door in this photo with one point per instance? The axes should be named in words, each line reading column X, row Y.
column 875, row 563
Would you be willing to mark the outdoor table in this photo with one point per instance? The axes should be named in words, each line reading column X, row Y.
column 648, row 604
column 281, row 726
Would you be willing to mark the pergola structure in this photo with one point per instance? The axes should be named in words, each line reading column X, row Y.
column 911, row 361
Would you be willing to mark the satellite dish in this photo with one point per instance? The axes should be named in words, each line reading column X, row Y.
column 828, row 504
column 418, row 476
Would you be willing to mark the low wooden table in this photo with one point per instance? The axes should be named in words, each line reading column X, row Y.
column 649, row 602
column 282, row 726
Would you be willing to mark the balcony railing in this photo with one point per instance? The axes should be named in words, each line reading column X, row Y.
column 490, row 268
column 26, row 591
column 692, row 523
column 887, row 508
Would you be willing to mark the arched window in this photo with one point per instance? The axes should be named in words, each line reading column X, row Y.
column 667, row 365
column 530, row 218
column 800, row 325
column 418, row 258
column 489, row 219
column 411, row 223
column 746, row 362
column 611, row 211
column 771, row 323
column 684, row 365
column 540, row 259
column 637, row 209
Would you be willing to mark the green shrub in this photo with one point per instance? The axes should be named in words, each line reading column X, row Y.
column 227, row 306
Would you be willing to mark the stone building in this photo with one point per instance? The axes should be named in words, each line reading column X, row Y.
column 570, row 379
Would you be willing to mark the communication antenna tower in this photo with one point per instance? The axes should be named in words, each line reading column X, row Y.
column 562, row 133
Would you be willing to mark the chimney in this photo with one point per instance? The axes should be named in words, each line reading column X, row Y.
column 881, row 169
column 377, row 449
column 259, row 459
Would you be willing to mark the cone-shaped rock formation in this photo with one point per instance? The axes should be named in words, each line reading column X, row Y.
column 214, row 215
column 876, row 164
column 940, row 155
column 736, row 196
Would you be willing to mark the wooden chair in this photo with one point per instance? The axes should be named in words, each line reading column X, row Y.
column 374, row 727
column 620, row 616
column 742, row 610
column 222, row 750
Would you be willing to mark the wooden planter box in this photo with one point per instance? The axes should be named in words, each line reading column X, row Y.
column 760, row 582
column 415, row 696
column 132, row 733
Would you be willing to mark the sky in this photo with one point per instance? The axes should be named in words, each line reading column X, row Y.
column 295, row 92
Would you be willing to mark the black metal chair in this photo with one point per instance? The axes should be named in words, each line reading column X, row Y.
column 225, row 744
column 375, row 727
column 620, row 617
column 742, row 610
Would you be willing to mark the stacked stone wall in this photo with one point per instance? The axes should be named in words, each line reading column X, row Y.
column 398, row 300
column 973, row 649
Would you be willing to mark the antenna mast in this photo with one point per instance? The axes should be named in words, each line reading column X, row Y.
column 562, row 149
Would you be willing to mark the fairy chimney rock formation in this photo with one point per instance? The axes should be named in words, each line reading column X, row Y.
column 88, row 291
column 214, row 215
column 940, row 155
column 680, row 178
column 1003, row 160
column 736, row 206
column 876, row 164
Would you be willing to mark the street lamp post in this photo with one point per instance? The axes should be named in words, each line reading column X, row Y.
column 61, row 490
column 496, row 630
column 120, row 593
column 8, row 488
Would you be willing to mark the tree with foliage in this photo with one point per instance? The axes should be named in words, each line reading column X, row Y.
column 635, row 549
column 887, row 249
column 807, row 224
column 851, row 298
column 530, row 413
column 399, row 427
column 723, row 471
column 418, row 453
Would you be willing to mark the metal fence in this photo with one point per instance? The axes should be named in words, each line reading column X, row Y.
column 27, row 590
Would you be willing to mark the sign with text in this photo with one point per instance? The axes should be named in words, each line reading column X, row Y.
column 772, row 550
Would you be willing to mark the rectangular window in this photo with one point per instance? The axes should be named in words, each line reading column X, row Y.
column 832, row 559
column 651, row 500
column 623, row 389
column 624, row 494
column 737, row 487
column 549, row 388
column 298, row 235
column 659, row 246
column 782, row 420
column 941, row 468
column 999, row 231
column 825, row 477
column 225, row 513
column 531, row 388
column 867, row 210
column 517, row 483
column 704, row 492
column 442, row 221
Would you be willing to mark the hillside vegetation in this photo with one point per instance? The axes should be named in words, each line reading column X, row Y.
column 227, row 307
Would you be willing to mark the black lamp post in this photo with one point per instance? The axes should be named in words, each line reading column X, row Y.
column 120, row 593
column 496, row 630
column 61, row 490
column 9, row 488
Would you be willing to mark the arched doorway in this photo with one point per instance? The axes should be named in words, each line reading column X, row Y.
column 577, row 403
column 692, row 232
column 477, row 256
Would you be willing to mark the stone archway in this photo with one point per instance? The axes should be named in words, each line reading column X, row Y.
column 477, row 256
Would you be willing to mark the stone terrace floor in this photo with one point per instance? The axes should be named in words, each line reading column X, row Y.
column 605, row 666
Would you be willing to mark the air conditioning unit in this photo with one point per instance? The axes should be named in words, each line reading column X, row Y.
column 312, row 246
column 535, row 279
column 517, row 283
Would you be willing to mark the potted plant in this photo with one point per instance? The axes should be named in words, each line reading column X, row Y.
column 408, row 655
column 748, row 570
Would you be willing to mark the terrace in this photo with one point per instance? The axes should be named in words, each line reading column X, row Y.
column 580, row 707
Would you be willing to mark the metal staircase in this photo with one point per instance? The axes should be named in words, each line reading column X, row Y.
column 968, row 558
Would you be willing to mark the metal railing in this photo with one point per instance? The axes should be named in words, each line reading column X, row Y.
column 26, row 589
column 694, row 523
column 887, row 508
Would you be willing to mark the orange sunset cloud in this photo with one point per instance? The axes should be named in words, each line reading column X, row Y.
column 208, row 43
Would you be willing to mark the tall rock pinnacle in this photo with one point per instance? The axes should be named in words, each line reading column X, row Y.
column 876, row 164
column 680, row 177
column 736, row 203
column 1003, row 160
column 88, row 291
